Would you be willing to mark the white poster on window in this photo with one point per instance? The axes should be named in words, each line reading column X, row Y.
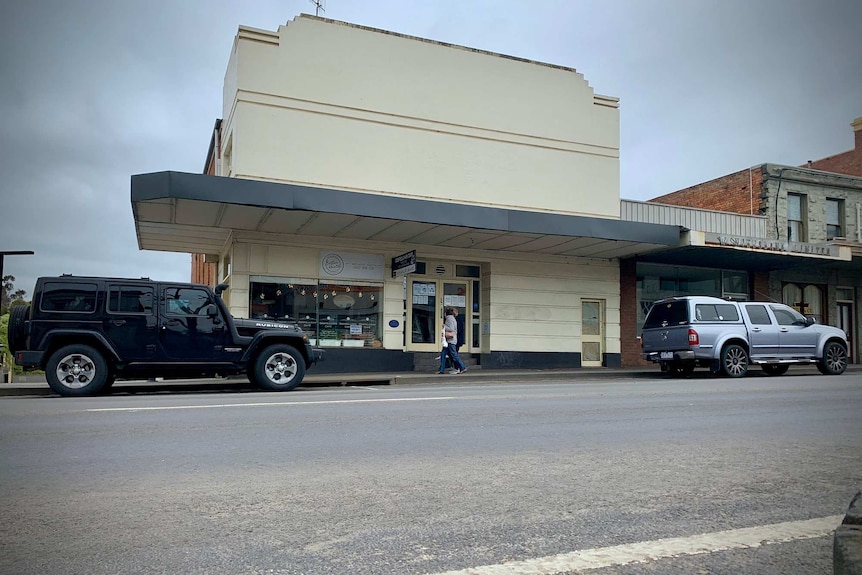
column 455, row 300
column 420, row 300
column 351, row 266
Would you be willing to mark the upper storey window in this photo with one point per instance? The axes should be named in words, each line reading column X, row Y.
column 796, row 218
column 834, row 219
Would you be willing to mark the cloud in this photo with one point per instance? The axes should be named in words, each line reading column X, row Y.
column 94, row 92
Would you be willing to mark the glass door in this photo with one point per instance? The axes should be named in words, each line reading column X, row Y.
column 592, row 333
column 425, row 312
column 455, row 296
column 423, row 316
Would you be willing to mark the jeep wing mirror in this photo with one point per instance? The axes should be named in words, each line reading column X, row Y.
column 212, row 313
column 810, row 320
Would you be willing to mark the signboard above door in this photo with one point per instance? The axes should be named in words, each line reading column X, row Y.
column 404, row 264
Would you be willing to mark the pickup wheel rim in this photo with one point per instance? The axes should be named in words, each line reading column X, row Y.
column 735, row 361
column 280, row 368
column 835, row 358
column 76, row 370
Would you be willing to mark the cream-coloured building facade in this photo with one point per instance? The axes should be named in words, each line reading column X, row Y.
column 342, row 147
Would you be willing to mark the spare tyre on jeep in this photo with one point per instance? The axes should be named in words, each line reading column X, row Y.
column 16, row 331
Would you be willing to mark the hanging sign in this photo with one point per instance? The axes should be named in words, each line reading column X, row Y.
column 404, row 264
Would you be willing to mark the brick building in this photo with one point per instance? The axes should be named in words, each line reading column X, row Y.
column 791, row 234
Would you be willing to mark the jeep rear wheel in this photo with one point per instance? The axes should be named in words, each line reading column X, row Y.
column 76, row 370
column 279, row 367
column 834, row 360
column 734, row 361
column 15, row 331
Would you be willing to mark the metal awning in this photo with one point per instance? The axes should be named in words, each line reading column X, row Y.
column 195, row 213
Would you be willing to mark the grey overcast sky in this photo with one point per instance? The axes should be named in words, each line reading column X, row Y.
column 93, row 91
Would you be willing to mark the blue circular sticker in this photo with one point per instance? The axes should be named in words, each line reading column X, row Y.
column 393, row 323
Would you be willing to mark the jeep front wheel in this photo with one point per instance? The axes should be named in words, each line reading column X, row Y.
column 76, row 370
column 279, row 367
column 734, row 361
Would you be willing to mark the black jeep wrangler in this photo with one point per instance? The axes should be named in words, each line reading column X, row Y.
column 86, row 332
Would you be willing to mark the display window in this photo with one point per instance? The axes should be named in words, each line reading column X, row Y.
column 330, row 314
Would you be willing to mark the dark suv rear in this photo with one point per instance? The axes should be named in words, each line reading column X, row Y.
column 85, row 332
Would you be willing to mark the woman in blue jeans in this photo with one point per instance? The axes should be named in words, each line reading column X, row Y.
column 450, row 332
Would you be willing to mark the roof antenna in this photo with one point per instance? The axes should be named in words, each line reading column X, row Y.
column 319, row 6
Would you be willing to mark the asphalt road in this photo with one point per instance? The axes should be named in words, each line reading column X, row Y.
column 514, row 479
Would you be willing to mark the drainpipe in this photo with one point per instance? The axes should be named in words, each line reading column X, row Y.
column 859, row 222
column 217, row 151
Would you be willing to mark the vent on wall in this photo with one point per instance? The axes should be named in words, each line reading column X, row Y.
column 440, row 270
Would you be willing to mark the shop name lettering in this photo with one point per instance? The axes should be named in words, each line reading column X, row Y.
column 774, row 245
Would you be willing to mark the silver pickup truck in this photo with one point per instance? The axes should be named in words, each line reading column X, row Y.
column 682, row 333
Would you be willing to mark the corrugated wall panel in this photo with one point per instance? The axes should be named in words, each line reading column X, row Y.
column 694, row 219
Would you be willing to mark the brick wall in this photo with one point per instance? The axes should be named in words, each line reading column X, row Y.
column 630, row 346
column 849, row 163
column 203, row 272
column 730, row 193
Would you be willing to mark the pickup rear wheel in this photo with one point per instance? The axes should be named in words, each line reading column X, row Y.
column 279, row 367
column 734, row 361
column 775, row 368
column 834, row 360
column 76, row 370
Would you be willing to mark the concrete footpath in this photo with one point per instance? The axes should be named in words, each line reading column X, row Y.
column 36, row 385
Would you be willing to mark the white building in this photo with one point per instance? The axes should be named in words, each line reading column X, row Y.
column 342, row 147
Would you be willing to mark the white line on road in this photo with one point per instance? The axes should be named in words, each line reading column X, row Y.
column 589, row 559
column 267, row 404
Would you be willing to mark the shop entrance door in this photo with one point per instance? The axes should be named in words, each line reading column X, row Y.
column 592, row 333
column 426, row 301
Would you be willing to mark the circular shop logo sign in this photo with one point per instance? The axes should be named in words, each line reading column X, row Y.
column 333, row 264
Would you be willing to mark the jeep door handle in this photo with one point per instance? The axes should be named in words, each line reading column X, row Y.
column 757, row 329
column 118, row 322
column 784, row 330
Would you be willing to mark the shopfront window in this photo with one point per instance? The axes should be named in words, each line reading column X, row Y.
column 659, row 281
column 330, row 314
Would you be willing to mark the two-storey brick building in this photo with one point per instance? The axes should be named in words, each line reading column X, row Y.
column 812, row 213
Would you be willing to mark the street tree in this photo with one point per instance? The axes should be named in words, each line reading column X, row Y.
column 11, row 296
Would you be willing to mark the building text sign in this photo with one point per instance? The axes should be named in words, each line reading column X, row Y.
column 351, row 266
column 768, row 245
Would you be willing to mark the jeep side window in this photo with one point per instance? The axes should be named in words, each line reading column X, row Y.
column 130, row 299
column 186, row 301
column 758, row 315
column 66, row 297
column 787, row 316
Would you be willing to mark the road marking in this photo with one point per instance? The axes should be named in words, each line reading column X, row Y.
column 270, row 404
column 644, row 551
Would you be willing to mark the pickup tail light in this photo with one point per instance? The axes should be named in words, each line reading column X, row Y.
column 693, row 338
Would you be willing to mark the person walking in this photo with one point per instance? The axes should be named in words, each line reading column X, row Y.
column 450, row 334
